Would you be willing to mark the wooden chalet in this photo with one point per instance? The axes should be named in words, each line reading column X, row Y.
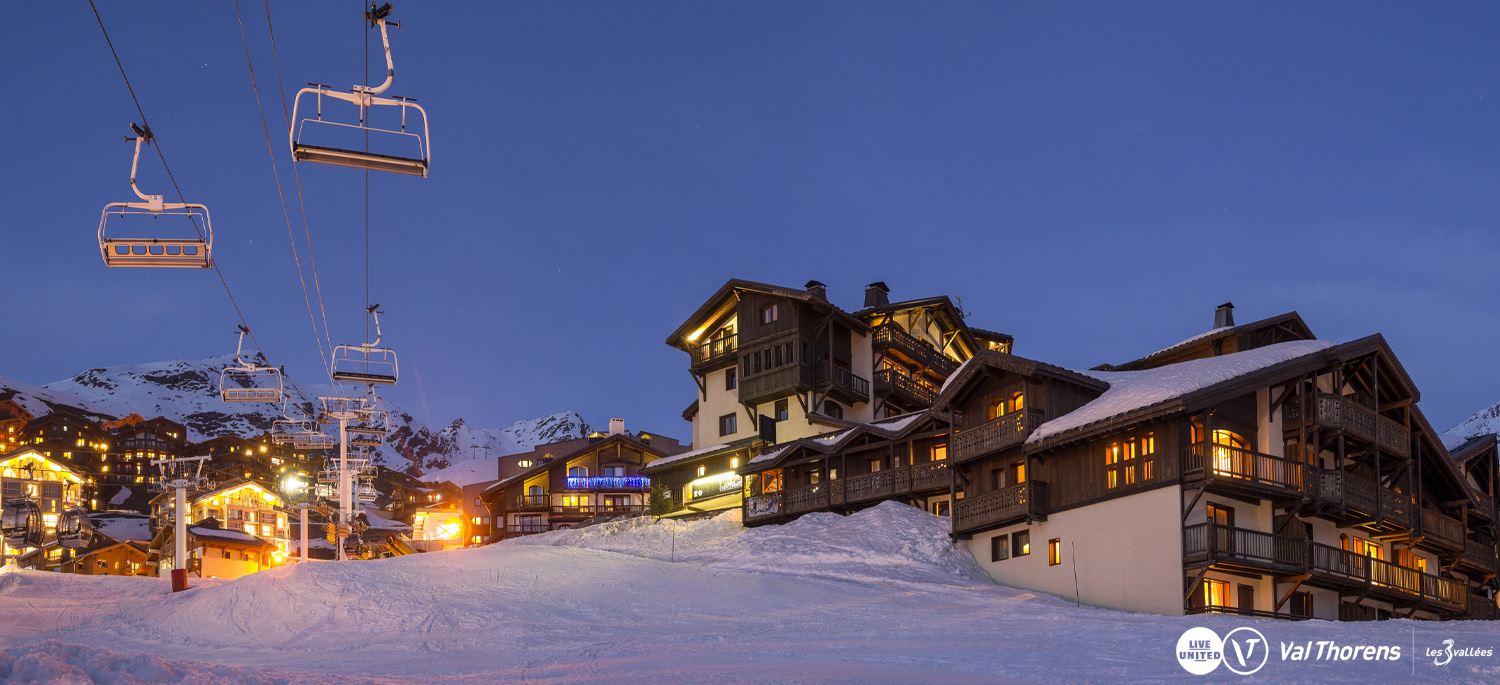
column 53, row 483
column 13, row 420
column 703, row 481
column 601, row 479
column 214, row 552
column 104, row 556
column 905, row 459
column 1251, row 470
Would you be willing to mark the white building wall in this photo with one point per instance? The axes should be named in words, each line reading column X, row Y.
column 719, row 402
column 1128, row 552
column 862, row 363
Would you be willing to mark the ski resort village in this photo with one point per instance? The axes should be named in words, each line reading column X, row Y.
column 626, row 439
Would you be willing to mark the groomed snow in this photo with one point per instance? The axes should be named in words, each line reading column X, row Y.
column 880, row 596
column 1132, row 390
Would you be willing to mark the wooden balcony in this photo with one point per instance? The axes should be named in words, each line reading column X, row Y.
column 585, row 511
column 516, row 529
column 903, row 390
column 1224, row 546
column 998, row 508
column 1383, row 579
column 1479, row 557
column 1486, row 508
column 842, row 385
column 715, row 354
column 1000, row 433
column 1238, row 469
column 533, row 502
column 1340, row 413
column 921, row 479
column 1481, row 608
column 889, row 339
column 1362, row 498
column 1441, row 530
column 775, row 384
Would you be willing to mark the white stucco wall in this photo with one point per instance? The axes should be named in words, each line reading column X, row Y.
column 1128, row 552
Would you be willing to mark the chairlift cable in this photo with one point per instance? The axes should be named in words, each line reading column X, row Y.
column 280, row 194
column 157, row 144
column 297, row 178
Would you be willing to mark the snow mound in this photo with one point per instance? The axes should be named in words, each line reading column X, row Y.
column 54, row 662
column 891, row 542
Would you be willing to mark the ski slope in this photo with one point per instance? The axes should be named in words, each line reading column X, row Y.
column 877, row 597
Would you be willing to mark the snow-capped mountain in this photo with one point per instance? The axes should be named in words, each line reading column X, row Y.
column 1481, row 423
column 188, row 392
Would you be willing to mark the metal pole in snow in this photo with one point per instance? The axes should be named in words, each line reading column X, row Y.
column 1074, row 545
column 302, row 552
column 343, row 484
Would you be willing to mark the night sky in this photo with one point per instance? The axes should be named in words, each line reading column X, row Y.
column 1093, row 178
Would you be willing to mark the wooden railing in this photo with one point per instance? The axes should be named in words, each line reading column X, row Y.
column 526, row 528
column 597, row 509
column 806, row 498
column 1358, row 568
column 1337, row 411
column 774, row 382
column 1482, row 608
column 877, row 485
column 1001, row 505
column 890, row 380
column 1205, row 460
column 714, row 351
column 1001, row 432
column 845, row 379
column 887, row 336
column 930, row 476
column 1479, row 555
column 1215, row 543
column 1360, row 495
column 533, row 501
column 1486, row 506
column 1443, row 529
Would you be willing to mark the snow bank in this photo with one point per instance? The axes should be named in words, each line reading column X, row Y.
column 54, row 662
column 1132, row 390
column 891, row 542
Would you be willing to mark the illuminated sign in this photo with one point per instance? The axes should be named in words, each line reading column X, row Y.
column 611, row 482
column 714, row 486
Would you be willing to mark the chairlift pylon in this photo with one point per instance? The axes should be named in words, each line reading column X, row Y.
column 195, row 252
column 254, row 380
column 367, row 363
column 366, row 99
column 21, row 523
column 74, row 528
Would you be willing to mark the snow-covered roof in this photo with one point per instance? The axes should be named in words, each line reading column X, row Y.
column 120, row 497
column 123, row 527
column 890, row 427
column 1130, row 391
column 226, row 535
column 690, row 454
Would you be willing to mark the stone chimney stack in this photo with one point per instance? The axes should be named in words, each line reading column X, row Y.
column 877, row 294
column 616, row 426
column 1224, row 316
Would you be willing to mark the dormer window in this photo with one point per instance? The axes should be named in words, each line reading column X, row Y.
column 769, row 313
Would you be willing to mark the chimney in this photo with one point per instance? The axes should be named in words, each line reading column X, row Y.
column 877, row 294
column 817, row 289
column 1224, row 316
column 616, row 426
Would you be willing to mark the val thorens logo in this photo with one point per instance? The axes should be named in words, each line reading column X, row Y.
column 1243, row 651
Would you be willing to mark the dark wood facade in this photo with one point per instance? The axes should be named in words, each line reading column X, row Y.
column 601, row 479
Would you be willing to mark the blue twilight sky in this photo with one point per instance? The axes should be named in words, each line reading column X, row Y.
column 1091, row 177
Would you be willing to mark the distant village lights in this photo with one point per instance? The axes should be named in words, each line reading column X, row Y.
column 609, row 482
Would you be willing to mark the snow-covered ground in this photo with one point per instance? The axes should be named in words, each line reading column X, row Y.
column 879, row 596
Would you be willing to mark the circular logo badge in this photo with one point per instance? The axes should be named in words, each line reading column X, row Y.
column 1200, row 651
column 1245, row 650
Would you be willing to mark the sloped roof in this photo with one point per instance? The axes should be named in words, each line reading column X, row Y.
column 714, row 304
column 989, row 359
column 892, row 428
column 1131, row 392
column 561, row 458
column 1291, row 320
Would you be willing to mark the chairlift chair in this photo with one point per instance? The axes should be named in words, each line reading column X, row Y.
column 367, row 363
column 284, row 431
column 155, row 252
column 21, row 524
column 365, row 98
column 254, row 380
column 74, row 529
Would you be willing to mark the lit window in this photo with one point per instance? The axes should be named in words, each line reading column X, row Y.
column 1215, row 593
column 1020, row 543
column 1054, row 551
column 578, row 471
column 702, row 469
column 939, row 452
column 768, row 313
column 734, row 462
column 524, row 463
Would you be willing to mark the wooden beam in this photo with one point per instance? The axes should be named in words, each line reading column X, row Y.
column 1296, row 583
column 1193, row 587
column 1395, row 405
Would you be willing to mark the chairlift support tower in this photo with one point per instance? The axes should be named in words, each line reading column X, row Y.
column 175, row 477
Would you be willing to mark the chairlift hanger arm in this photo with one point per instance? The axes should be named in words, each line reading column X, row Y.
column 377, row 17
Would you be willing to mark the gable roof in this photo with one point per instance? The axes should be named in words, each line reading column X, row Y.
column 722, row 300
column 975, row 367
column 893, row 428
column 563, row 458
column 1291, row 321
column 1473, row 447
